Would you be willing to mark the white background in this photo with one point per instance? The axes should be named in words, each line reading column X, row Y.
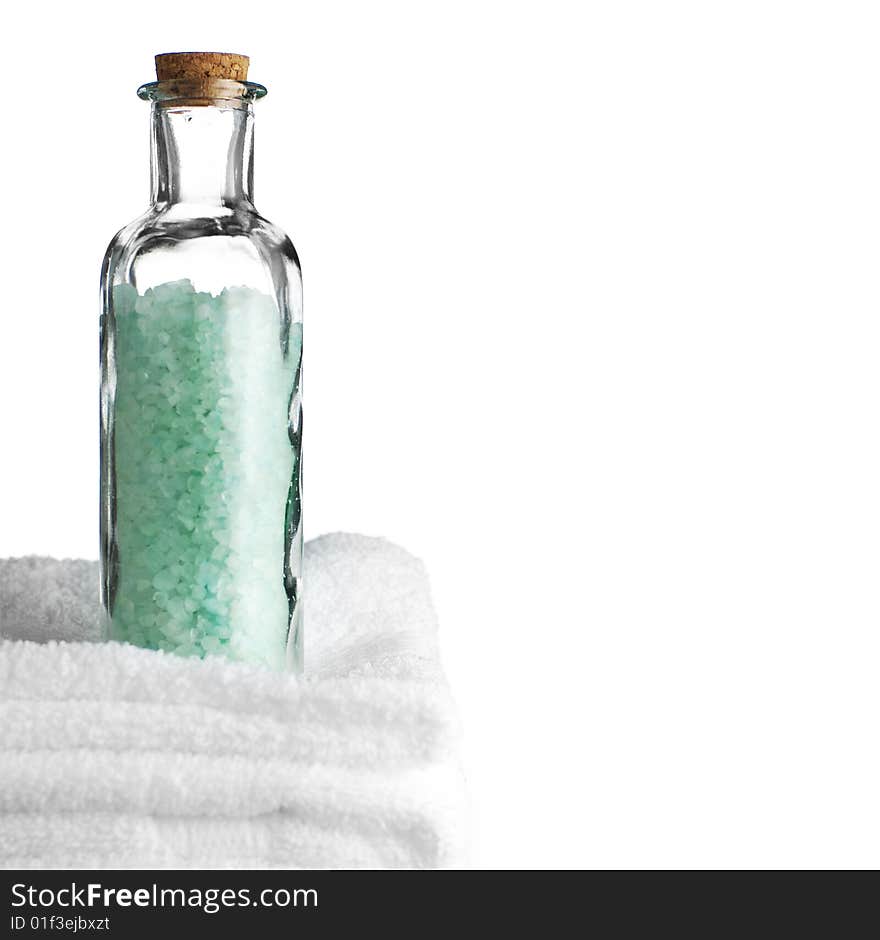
column 591, row 296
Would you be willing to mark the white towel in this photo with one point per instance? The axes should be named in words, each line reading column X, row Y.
column 117, row 757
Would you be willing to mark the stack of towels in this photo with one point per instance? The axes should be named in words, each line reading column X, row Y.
column 118, row 757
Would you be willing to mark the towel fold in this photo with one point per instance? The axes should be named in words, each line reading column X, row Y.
column 111, row 697
column 112, row 756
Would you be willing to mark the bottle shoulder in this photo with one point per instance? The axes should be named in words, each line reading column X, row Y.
column 167, row 226
column 232, row 238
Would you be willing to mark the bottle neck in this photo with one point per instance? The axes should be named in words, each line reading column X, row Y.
column 202, row 155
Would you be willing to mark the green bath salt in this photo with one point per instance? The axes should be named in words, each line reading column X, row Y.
column 203, row 468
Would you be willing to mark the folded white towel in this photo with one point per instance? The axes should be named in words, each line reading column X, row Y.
column 112, row 756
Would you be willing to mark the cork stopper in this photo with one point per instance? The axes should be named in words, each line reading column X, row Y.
column 201, row 66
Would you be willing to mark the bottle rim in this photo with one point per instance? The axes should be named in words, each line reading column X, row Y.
column 206, row 91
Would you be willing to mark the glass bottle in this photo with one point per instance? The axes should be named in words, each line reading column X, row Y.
column 201, row 421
